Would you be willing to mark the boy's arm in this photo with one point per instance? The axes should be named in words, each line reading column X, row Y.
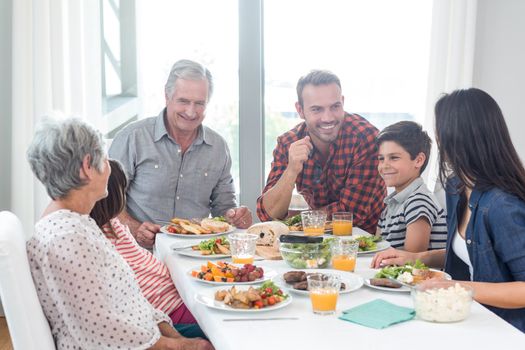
column 417, row 237
column 420, row 213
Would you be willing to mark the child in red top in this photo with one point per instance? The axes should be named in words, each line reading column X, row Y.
column 151, row 274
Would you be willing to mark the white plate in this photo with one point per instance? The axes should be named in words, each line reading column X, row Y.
column 372, row 273
column 382, row 245
column 386, row 289
column 351, row 280
column 164, row 229
column 268, row 274
column 207, row 298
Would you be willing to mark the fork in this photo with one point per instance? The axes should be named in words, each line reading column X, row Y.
column 183, row 247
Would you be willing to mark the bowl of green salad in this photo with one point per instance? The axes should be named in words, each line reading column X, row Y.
column 306, row 252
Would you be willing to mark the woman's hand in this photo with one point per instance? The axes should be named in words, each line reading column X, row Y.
column 392, row 257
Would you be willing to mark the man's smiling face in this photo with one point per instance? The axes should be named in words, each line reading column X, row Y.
column 322, row 111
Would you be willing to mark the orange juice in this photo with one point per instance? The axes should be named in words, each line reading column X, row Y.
column 242, row 259
column 343, row 262
column 313, row 231
column 342, row 227
column 323, row 300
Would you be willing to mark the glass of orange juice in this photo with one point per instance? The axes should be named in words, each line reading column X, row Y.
column 313, row 222
column 342, row 223
column 242, row 247
column 324, row 291
column 344, row 254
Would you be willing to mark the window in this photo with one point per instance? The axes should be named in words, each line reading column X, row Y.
column 119, row 64
column 379, row 49
column 205, row 31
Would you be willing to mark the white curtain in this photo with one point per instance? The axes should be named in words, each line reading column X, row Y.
column 56, row 67
column 451, row 61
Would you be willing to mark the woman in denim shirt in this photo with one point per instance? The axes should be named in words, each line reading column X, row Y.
column 485, row 182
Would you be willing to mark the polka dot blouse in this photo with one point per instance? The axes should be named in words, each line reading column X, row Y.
column 88, row 292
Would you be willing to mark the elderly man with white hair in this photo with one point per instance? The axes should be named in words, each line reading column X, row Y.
column 87, row 291
column 176, row 166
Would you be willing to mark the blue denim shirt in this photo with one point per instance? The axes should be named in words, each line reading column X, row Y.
column 495, row 238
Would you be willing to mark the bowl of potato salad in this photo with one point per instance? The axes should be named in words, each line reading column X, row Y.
column 442, row 301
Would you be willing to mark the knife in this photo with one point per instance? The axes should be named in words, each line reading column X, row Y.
column 260, row 319
column 401, row 283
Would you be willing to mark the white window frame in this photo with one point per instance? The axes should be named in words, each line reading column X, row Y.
column 119, row 110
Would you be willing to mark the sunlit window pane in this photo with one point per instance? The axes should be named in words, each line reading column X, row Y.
column 378, row 48
column 201, row 30
column 111, row 47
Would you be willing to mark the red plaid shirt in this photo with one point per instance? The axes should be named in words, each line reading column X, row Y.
column 349, row 180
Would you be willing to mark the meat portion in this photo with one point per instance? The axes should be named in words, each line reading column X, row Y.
column 301, row 285
column 384, row 282
column 294, row 276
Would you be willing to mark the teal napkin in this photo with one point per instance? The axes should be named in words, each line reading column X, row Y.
column 378, row 314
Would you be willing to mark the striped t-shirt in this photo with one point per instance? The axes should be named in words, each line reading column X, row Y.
column 406, row 207
column 151, row 274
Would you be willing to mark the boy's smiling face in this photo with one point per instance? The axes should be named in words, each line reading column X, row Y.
column 396, row 166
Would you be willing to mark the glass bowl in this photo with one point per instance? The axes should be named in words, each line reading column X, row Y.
column 306, row 255
column 442, row 301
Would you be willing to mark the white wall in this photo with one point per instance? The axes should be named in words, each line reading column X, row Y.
column 499, row 62
column 5, row 104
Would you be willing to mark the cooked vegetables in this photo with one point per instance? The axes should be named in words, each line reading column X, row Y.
column 213, row 246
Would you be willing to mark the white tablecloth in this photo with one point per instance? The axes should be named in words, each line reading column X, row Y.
column 481, row 330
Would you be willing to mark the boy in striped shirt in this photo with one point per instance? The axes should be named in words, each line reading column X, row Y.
column 413, row 219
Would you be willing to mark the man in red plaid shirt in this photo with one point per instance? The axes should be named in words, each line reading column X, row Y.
column 331, row 157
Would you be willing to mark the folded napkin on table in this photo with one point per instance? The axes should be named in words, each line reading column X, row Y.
column 378, row 314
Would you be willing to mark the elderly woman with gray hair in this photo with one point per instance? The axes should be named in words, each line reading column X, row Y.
column 87, row 291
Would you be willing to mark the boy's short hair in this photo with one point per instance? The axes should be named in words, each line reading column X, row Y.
column 410, row 136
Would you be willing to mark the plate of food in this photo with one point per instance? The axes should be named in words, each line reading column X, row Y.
column 266, row 297
column 295, row 281
column 221, row 272
column 402, row 278
column 371, row 244
column 216, row 248
column 203, row 228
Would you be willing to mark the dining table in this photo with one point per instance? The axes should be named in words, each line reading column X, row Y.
column 296, row 326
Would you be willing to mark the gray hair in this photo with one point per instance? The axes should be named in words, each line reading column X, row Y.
column 189, row 70
column 57, row 151
column 316, row 78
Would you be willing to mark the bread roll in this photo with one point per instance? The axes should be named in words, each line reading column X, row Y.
column 215, row 226
column 268, row 232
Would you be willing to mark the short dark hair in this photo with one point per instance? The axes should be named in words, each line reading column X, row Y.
column 316, row 78
column 111, row 206
column 410, row 136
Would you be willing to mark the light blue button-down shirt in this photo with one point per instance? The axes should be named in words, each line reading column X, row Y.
column 164, row 183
